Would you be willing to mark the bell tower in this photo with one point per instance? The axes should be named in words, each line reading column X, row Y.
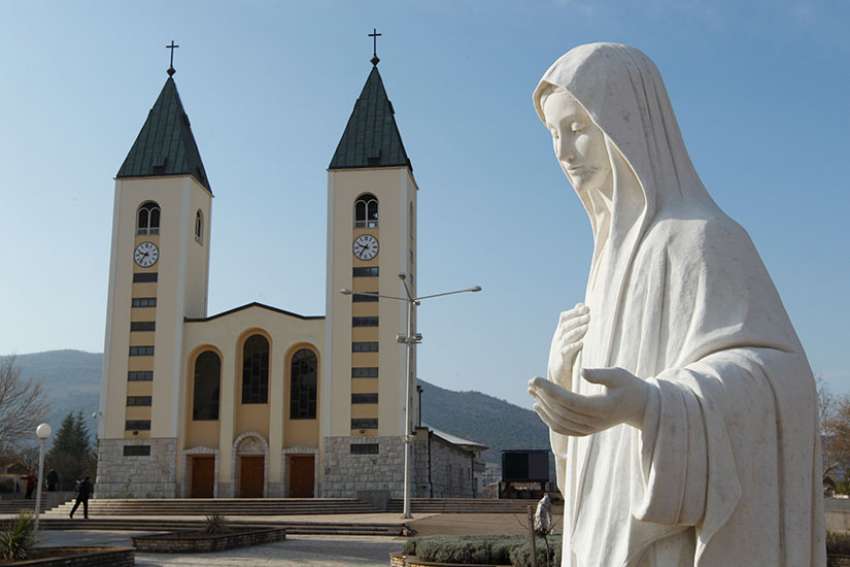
column 371, row 240
column 158, row 275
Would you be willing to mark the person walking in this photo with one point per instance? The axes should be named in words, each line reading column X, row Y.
column 52, row 480
column 83, row 494
column 31, row 478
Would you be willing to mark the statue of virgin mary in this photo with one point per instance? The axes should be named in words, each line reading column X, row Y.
column 681, row 405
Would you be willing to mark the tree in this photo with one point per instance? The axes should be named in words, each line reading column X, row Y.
column 23, row 405
column 72, row 455
column 834, row 414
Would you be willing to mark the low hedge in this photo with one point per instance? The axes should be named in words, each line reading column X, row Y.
column 837, row 543
column 482, row 550
column 516, row 550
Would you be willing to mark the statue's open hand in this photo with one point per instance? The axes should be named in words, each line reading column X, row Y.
column 569, row 413
column 566, row 344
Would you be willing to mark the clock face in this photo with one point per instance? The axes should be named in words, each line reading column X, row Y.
column 365, row 247
column 146, row 254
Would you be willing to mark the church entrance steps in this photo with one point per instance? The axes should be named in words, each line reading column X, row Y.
column 22, row 505
column 225, row 506
column 463, row 506
column 158, row 525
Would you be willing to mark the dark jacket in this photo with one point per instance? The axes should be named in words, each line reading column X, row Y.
column 84, row 490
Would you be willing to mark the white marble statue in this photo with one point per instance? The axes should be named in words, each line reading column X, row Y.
column 681, row 406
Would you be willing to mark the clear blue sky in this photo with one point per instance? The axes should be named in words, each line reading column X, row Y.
column 761, row 89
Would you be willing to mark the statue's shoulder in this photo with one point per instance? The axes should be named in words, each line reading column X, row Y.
column 696, row 235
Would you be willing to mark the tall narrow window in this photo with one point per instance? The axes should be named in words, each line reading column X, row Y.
column 302, row 399
column 199, row 226
column 255, row 370
column 366, row 211
column 206, row 391
column 147, row 219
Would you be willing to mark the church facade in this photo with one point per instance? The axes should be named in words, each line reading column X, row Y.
column 258, row 401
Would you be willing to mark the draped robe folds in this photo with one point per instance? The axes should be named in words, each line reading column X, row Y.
column 726, row 468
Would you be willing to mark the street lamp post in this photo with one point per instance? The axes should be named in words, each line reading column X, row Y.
column 410, row 340
column 43, row 432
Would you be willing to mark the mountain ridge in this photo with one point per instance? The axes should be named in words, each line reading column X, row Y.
column 71, row 379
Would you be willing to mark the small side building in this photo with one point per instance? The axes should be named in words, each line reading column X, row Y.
column 446, row 466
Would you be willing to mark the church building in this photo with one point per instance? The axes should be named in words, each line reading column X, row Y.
column 258, row 401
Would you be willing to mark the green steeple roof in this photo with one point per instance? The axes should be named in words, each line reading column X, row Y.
column 165, row 145
column 371, row 137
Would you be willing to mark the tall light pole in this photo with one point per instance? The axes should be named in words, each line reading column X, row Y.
column 410, row 340
column 43, row 432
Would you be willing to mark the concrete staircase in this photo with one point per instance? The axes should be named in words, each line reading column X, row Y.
column 463, row 506
column 159, row 525
column 226, row 506
column 8, row 506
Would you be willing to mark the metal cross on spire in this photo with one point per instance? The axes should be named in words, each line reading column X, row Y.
column 172, row 47
column 375, row 35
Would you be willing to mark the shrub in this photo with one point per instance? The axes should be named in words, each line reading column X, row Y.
column 520, row 556
column 837, row 543
column 17, row 538
column 214, row 524
column 494, row 550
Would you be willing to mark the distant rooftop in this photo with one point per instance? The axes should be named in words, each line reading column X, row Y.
column 455, row 440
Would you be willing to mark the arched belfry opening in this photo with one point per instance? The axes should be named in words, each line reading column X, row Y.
column 366, row 211
column 147, row 218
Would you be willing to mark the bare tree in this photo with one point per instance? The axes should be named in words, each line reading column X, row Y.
column 23, row 405
column 834, row 413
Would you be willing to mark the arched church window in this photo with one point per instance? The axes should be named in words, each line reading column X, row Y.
column 206, row 388
column 147, row 219
column 199, row 226
column 366, row 211
column 304, row 385
column 255, row 370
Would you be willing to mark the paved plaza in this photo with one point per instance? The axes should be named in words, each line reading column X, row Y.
column 332, row 551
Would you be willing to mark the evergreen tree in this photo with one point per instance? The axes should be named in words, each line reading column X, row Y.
column 71, row 454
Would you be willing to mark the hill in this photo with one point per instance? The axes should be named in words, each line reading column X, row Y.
column 473, row 415
column 72, row 381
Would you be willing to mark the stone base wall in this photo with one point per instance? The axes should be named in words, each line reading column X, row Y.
column 345, row 473
column 153, row 476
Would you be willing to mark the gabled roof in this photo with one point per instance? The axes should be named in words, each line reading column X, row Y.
column 165, row 145
column 371, row 137
column 458, row 441
column 248, row 306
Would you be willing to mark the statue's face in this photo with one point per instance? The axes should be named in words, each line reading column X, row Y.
column 579, row 144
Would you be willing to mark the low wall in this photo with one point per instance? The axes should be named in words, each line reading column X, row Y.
column 837, row 512
column 84, row 557
column 198, row 542
column 401, row 560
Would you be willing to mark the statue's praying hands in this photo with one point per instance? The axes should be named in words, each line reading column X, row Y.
column 566, row 344
column 569, row 413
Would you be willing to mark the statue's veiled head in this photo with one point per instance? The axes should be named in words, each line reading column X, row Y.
column 605, row 99
column 578, row 142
